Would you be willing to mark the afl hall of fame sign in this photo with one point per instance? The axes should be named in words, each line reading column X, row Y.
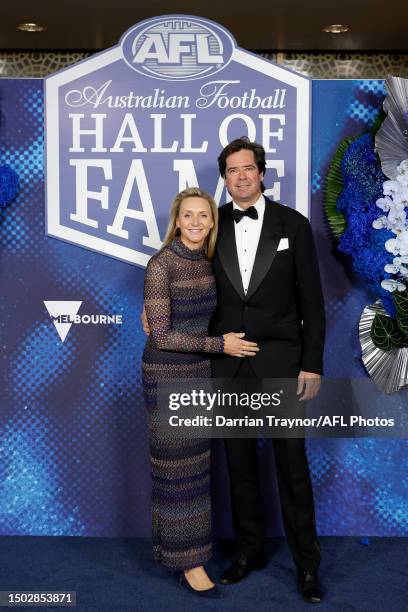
column 128, row 128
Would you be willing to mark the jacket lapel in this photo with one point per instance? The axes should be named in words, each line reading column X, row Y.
column 227, row 251
column 268, row 244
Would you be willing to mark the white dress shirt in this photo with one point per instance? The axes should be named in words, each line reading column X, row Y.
column 247, row 233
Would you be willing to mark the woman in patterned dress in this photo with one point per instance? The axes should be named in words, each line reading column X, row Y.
column 180, row 297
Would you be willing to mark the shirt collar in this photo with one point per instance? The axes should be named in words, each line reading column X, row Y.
column 259, row 205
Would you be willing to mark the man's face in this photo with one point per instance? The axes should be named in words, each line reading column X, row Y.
column 242, row 178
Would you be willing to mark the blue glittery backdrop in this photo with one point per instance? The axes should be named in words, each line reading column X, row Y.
column 74, row 447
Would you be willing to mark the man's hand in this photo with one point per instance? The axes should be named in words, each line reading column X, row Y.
column 145, row 324
column 308, row 385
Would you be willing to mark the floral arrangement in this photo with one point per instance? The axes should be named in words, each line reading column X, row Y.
column 362, row 187
column 377, row 243
column 355, row 183
column 394, row 202
column 388, row 333
column 366, row 202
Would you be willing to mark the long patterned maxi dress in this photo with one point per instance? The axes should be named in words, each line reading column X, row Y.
column 180, row 297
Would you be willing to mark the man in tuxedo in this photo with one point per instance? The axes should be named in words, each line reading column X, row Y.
column 268, row 286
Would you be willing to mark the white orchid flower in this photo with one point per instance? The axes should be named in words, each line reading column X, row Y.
column 390, row 187
column 402, row 176
column 400, row 260
column 390, row 246
column 384, row 203
column 395, row 204
column 391, row 285
column 380, row 223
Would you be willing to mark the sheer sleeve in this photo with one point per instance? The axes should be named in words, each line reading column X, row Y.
column 157, row 299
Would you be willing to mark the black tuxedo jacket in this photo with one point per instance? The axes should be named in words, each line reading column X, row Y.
column 283, row 310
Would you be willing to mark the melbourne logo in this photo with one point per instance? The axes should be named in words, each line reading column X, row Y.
column 180, row 49
column 65, row 313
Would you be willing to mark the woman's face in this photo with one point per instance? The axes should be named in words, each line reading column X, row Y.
column 194, row 221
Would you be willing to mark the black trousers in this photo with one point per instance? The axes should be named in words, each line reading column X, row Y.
column 295, row 492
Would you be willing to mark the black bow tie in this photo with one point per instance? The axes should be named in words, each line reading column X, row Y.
column 250, row 212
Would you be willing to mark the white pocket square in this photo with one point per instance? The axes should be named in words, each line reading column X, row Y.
column 283, row 244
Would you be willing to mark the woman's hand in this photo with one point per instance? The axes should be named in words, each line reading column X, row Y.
column 234, row 346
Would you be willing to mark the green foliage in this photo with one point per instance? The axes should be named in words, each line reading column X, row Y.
column 333, row 187
column 401, row 304
column 334, row 184
column 387, row 333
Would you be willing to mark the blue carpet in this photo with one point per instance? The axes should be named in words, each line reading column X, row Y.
column 119, row 575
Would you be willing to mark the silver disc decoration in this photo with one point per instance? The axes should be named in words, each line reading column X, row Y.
column 387, row 369
column 391, row 140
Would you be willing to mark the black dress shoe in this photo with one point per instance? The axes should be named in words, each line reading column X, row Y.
column 241, row 568
column 309, row 586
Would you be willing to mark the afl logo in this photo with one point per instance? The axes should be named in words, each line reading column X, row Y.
column 177, row 48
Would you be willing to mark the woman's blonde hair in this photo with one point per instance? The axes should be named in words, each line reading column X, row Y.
column 173, row 230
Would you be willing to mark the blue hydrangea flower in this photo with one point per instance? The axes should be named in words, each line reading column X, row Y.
column 363, row 184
